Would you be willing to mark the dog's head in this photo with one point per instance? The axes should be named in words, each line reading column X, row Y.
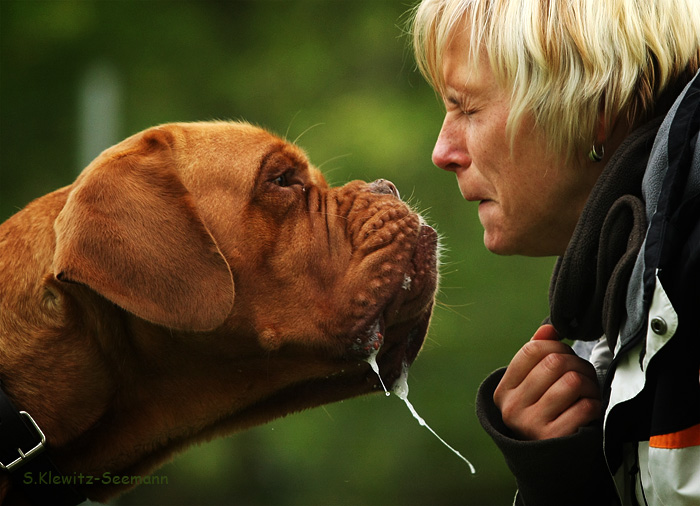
column 225, row 233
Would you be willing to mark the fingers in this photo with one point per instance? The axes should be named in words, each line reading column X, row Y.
column 581, row 413
column 557, row 373
column 529, row 356
column 547, row 390
column 546, row 333
column 570, row 403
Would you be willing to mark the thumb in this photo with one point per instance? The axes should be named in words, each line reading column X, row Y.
column 546, row 333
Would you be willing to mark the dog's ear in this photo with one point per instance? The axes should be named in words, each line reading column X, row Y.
column 131, row 232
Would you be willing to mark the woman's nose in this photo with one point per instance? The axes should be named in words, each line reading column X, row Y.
column 450, row 152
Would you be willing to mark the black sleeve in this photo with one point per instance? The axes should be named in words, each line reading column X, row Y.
column 569, row 470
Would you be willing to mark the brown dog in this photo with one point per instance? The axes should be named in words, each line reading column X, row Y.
column 195, row 280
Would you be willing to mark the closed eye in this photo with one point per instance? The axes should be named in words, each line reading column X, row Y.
column 455, row 104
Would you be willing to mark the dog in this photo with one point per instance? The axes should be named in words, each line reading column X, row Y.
column 195, row 280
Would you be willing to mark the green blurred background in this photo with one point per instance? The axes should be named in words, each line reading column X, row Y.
column 77, row 76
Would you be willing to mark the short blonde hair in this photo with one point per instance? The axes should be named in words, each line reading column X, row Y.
column 566, row 61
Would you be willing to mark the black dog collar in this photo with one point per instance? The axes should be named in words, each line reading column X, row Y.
column 25, row 457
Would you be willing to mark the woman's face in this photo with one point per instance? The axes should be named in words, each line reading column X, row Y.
column 529, row 200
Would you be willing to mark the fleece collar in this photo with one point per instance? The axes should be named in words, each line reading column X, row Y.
column 589, row 282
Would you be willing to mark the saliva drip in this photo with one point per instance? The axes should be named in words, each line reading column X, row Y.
column 372, row 361
column 400, row 389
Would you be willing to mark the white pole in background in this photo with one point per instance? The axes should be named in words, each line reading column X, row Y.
column 99, row 111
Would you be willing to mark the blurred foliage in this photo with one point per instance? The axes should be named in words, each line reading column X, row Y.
column 339, row 76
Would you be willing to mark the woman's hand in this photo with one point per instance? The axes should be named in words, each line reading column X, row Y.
column 547, row 390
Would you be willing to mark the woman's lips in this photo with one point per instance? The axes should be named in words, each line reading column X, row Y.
column 471, row 193
column 485, row 203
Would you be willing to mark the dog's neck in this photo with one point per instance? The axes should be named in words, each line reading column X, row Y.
column 102, row 408
column 122, row 412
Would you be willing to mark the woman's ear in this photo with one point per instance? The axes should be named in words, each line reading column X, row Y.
column 601, row 133
column 131, row 232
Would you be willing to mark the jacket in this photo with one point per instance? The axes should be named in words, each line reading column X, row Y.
column 631, row 274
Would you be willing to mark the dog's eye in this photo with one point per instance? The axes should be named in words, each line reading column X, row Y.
column 287, row 178
column 281, row 180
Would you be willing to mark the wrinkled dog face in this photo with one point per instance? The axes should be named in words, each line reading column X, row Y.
column 338, row 270
column 317, row 277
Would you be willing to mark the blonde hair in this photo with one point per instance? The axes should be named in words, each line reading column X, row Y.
column 567, row 61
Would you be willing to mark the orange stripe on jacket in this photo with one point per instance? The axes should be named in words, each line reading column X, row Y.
column 681, row 439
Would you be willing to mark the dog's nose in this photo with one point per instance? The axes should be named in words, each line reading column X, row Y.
column 384, row 187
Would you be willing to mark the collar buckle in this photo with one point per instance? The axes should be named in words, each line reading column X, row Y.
column 25, row 457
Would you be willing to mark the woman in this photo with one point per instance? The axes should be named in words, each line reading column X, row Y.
column 574, row 125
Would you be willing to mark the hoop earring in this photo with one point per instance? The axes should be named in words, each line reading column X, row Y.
column 594, row 155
